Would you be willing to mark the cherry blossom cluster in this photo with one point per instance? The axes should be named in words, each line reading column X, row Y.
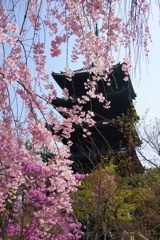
column 35, row 198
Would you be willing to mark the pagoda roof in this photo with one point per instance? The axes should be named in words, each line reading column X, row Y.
column 61, row 101
column 82, row 159
column 76, row 87
column 83, row 70
column 103, row 152
column 78, row 71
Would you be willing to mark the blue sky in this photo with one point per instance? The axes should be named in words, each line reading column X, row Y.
column 147, row 83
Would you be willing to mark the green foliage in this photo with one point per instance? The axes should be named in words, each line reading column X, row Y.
column 104, row 199
column 126, row 206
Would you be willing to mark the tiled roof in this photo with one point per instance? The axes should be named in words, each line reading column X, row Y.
column 82, row 70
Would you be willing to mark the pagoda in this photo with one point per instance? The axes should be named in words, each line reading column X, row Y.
column 113, row 135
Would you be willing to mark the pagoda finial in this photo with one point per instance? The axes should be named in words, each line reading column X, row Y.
column 96, row 30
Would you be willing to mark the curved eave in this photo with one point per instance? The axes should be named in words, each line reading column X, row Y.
column 107, row 124
column 84, row 71
column 118, row 74
column 76, row 72
column 83, row 158
column 61, row 78
column 62, row 102
column 106, row 152
column 110, row 94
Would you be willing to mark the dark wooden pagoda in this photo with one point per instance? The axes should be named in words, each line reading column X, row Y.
column 111, row 138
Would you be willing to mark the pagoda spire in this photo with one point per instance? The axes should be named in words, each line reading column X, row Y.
column 96, row 30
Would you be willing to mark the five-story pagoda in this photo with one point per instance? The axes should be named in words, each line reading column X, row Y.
column 109, row 103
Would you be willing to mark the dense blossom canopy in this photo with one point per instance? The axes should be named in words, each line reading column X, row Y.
column 35, row 201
